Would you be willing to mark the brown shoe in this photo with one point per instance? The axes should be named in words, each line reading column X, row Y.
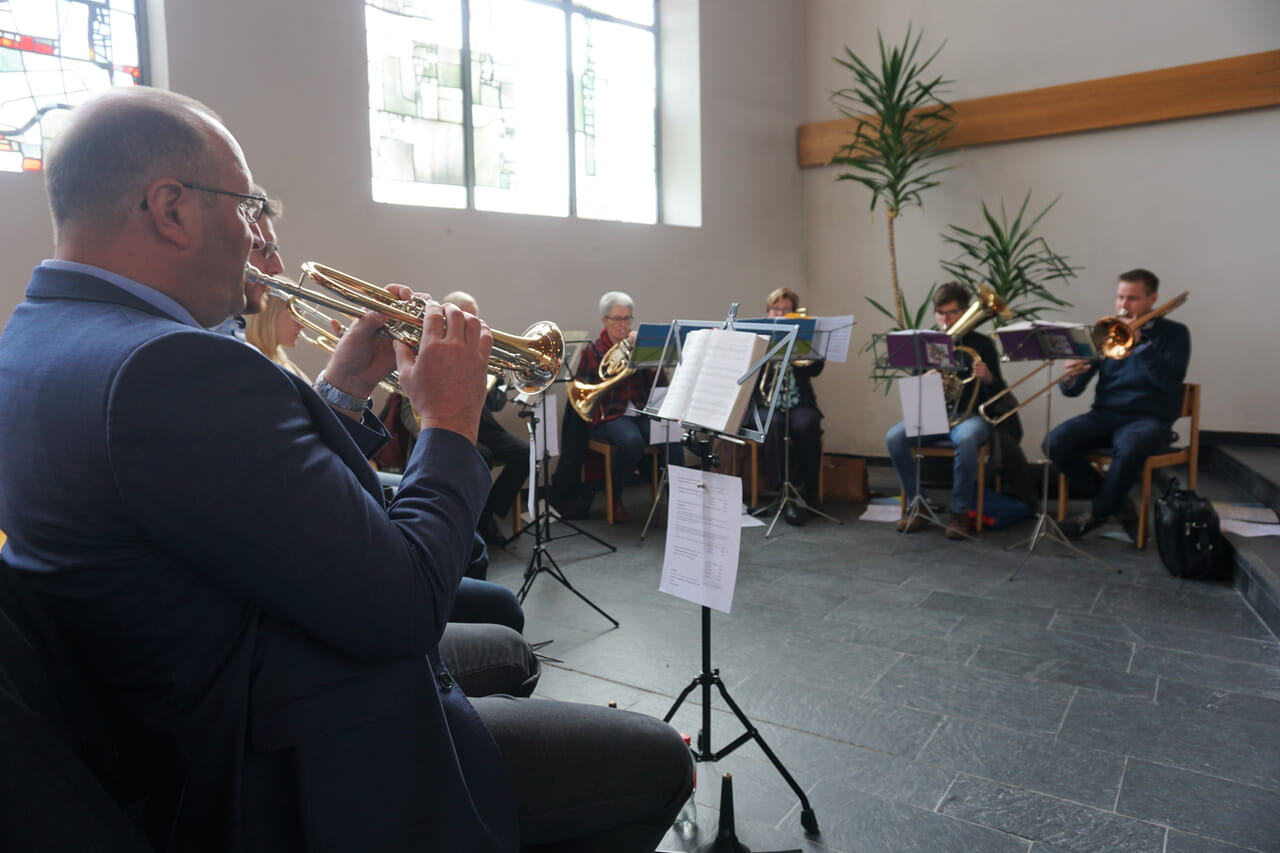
column 960, row 527
column 619, row 512
column 917, row 524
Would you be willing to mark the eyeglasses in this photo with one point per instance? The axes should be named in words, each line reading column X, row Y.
column 251, row 208
column 626, row 319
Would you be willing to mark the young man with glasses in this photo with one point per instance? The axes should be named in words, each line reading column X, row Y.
column 949, row 302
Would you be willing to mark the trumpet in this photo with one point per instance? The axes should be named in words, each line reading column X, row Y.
column 1113, row 337
column 530, row 361
column 318, row 331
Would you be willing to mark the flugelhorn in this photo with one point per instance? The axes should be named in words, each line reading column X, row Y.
column 1113, row 337
column 531, row 361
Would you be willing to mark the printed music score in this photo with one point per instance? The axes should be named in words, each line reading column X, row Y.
column 704, row 536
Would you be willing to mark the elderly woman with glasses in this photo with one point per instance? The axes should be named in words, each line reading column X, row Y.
column 616, row 418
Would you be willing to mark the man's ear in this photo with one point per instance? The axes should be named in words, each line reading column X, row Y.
column 171, row 209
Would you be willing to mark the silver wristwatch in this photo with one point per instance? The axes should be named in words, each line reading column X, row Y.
column 338, row 397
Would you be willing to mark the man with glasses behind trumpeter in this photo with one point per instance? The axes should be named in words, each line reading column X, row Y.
column 949, row 302
column 265, row 257
column 268, row 640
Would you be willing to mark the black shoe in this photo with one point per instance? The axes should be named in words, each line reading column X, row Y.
column 792, row 514
column 1079, row 525
column 488, row 529
column 574, row 508
column 1127, row 515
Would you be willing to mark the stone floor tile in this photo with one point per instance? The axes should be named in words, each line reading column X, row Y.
column 973, row 693
column 1208, row 671
column 1063, row 824
column 1200, row 804
column 1034, row 762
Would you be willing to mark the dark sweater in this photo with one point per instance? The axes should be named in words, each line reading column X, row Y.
column 1149, row 382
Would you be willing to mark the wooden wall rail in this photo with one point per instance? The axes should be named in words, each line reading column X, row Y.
column 1183, row 91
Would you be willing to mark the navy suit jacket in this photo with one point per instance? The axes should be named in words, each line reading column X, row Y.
column 216, row 551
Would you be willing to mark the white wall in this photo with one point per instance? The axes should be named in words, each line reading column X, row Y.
column 1194, row 200
column 289, row 78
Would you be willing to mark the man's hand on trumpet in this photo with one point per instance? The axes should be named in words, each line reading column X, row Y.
column 445, row 379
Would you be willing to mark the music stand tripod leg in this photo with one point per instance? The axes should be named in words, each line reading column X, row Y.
column 1046, row 527
column 708, row 677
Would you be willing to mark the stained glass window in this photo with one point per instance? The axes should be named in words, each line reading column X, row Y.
column 53, row 55
column 470, row 105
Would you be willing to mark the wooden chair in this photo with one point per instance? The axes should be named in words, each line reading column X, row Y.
column 948, row 451
column 606, row 450
column 1189, row 456
column 755, row 474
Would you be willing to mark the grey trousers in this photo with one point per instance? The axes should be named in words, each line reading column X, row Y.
column 486, row 659
column 589, row 779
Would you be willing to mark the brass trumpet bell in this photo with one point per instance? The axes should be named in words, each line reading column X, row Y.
column 531, row 361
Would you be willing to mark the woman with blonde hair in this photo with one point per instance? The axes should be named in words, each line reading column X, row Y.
column 273, row 329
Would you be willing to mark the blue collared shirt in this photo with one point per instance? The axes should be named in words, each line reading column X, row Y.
column 146, row 293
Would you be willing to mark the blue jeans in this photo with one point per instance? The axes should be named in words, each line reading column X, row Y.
column 629, row 437
column 1131, row 440
column 967, row 436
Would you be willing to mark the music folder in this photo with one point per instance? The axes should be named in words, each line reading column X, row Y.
column 1036, row 340
column 920, row 349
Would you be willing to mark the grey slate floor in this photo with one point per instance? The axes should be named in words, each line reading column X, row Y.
column 925, row 702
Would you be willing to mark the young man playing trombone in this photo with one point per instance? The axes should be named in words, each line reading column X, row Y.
column 1134, row 406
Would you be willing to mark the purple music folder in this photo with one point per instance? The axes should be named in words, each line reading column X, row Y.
column 919, row 348
column 1038, row 340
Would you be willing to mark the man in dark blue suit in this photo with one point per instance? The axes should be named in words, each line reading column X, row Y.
column 217, row 555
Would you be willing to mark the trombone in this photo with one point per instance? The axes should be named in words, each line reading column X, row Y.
column 1113, row 338
column 530, row 361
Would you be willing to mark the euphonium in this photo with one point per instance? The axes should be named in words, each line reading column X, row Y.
column 962, row 394
column 613, row 369
column 531, row 361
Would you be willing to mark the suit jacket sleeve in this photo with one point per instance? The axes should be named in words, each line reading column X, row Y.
column 249, row 479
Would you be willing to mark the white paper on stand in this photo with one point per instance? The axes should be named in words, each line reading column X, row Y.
column 704, row 536
column 546, row 430
column 832, row 335
column 924, row 408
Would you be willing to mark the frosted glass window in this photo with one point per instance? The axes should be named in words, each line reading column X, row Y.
column 518, row 107
column 54, row 54
column 616, row 155
column 521, row 106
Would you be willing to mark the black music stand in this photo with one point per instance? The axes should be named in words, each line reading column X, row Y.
column 917, row 356
column 787, row 492
column 726, row 840
column 540, row 560
column 1040, row 345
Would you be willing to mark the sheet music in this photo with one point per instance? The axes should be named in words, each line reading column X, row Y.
column 685, row 378
column 924, row 407
column 547, row 429
column 831, row 337
column 728, row 356
column 703, row 537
